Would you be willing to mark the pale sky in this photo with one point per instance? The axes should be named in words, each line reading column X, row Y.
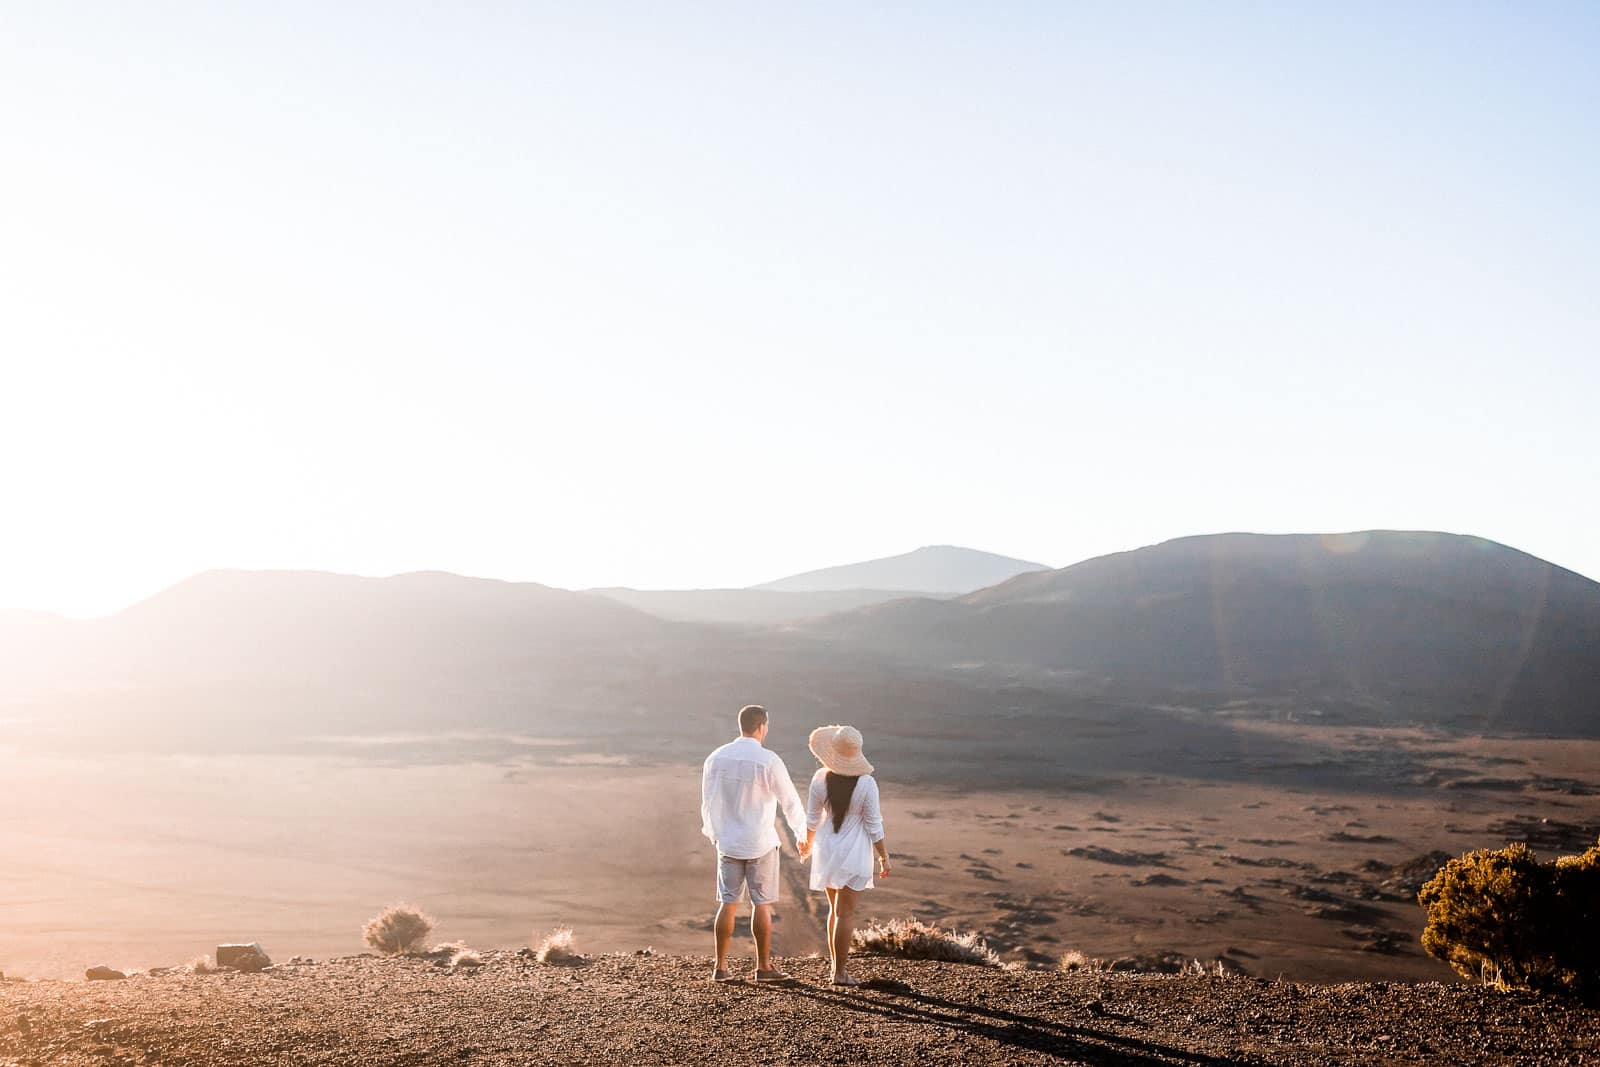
column 701, row 295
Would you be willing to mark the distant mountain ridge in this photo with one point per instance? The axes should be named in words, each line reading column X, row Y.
column 932, row 569
column 747, row 607
column 1374, row 627
column 936, row 571
column 1401, row 625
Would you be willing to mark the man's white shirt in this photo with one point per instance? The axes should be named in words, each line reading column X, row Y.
column 741, row 788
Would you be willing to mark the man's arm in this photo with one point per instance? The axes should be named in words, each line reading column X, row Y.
column 705, row 803
column 794, row 812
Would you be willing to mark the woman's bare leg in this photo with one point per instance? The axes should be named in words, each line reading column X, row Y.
column 833, row 921
column 843, row 928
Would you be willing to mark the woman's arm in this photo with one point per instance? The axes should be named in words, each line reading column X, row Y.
column 816, row 810
column 816, row 802
column 872, row 822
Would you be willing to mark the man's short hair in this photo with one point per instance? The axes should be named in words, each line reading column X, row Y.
column 752, row 717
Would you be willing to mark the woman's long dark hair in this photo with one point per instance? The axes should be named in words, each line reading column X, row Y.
column 841, row 787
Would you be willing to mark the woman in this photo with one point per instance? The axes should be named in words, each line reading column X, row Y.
column 845, row 829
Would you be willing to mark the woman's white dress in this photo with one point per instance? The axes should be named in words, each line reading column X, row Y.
column 843, row 860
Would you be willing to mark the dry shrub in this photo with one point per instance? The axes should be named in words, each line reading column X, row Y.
column 913, row 939
column 556, row 947
column 1074, row 960
column 458, row 954
column 1503, row 917
column 400, row 930
column 1153, row 963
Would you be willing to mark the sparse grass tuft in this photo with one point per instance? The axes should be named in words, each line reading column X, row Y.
column 1074, row 961
column 913, row 939
column 463, row 956
column 556, row 947
column 399, row 930
column 1198, row 968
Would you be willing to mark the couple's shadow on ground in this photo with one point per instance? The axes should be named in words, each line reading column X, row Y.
column 1060, row 1040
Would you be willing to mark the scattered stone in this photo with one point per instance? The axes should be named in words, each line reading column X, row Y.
column 1158, row 879
column 104, row 974
column 1264, row 861
column 243, row 957
column 1374, row 939
column 1307, row 892
column 1546, row 833
column 1358, row 839
column 1498, row 785
column 1570, row 786
column 1406, row 878
column 253, row 963
column 1120, row 858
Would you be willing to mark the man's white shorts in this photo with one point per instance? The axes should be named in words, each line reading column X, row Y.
column 760, row 874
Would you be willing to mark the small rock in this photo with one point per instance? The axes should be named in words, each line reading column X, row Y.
column 104, row 974
column 232, row 955
column 253, row 963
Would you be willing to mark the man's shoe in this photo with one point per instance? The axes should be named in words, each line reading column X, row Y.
column 774, row 975
column 722, row 976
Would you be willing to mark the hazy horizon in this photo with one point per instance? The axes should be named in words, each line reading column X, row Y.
column 687, row 299
column 757, row 587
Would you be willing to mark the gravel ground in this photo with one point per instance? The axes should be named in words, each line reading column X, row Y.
column 659, row 1009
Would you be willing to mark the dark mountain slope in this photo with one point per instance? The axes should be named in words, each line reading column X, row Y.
column 1387, row 625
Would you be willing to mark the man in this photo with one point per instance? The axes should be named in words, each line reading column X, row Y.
column 741, row 788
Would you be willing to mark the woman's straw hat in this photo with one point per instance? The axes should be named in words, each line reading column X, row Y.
column 839, row 749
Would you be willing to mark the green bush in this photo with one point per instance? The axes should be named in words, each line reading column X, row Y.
column 1504, row 918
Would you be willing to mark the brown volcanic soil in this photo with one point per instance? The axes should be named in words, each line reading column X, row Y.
column 638, row 1009
column 137, row 862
